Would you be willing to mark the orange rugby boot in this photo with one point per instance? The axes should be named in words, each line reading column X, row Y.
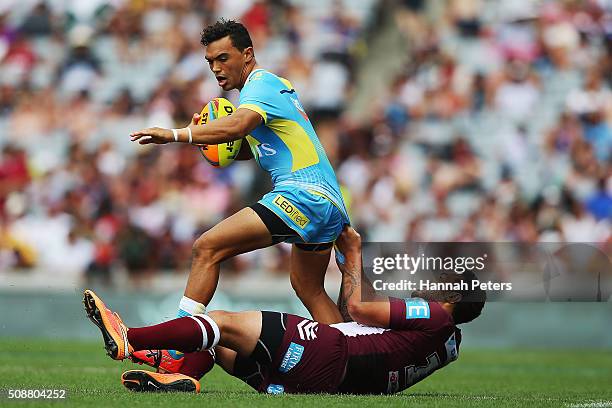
column 149, row 381
column 110, row 324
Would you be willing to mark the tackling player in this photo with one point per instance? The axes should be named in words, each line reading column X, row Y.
column 390, row 346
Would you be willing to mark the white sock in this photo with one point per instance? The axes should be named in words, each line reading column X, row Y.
column 189, row 307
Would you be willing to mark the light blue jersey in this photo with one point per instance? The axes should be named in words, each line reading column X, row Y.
column 306, row 193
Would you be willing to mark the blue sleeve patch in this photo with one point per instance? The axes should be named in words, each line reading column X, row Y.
column 292, row 357
column 416, row 308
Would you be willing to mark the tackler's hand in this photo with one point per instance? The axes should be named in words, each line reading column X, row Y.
column 347, row 248
column 349, row 241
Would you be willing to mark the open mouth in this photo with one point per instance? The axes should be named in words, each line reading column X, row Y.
column 221, row 80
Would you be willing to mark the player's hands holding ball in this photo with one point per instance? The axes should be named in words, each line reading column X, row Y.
column 195, row 120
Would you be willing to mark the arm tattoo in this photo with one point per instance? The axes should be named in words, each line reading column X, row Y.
column 342, row 305
column 350, row 282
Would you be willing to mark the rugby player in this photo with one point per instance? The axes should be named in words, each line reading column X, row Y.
column 390, row 346
column 305, row 207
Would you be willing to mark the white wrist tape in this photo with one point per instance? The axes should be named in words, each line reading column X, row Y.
column 175, row 134
column 190, row 138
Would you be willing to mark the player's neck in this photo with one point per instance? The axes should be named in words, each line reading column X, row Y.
column 448, row 307
column 249, row 68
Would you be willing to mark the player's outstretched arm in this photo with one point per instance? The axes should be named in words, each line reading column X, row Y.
column 224, row 129
column 245, row 150
column 374, row 313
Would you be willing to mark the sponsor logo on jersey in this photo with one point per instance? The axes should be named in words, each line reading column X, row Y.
column 265, row 149
column 257, row 76
column 393, row 383
column 292, row 357
column 307, row 329
column 291, row 210
column 451, row 349
column 299, row 107
column 417, row 308
column 275, row 389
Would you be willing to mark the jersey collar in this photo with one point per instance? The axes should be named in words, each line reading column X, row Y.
column 251, row 74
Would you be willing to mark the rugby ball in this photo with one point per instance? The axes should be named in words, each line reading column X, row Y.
column 223, row 154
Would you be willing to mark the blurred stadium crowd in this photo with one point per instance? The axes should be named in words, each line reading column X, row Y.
column 498, row 128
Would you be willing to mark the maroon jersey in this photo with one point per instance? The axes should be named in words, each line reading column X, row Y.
column 422, row 337
column 352, row 358
column 311, row 359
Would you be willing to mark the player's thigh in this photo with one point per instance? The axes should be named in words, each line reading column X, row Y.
column 239, row 330
column 308, row 267
column 242, row 232
column 225, row 357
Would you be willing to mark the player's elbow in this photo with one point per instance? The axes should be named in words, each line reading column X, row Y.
column 237, row 128
column 369, row 313
column 356, row 310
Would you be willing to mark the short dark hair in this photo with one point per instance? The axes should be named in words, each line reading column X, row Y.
column 472, row 301
column 237, row 32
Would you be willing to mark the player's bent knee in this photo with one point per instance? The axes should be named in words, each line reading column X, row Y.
column 200, row 246
column 206, row 249
column 233, row 325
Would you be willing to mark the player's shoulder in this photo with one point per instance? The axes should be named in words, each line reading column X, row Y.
column 266, row 78
column 440, row 315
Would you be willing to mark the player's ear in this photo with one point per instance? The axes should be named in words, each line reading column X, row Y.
column 249, row 54
column 453, row 297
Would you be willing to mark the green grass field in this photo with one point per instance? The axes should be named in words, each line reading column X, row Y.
column 491, row 378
